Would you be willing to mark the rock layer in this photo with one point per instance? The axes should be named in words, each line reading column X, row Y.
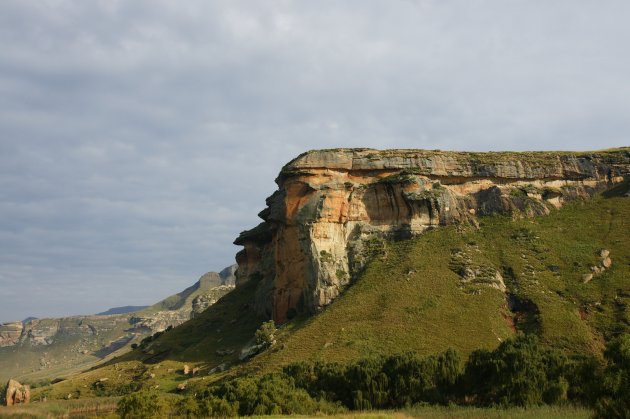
column 333, row 208
column 10, row 333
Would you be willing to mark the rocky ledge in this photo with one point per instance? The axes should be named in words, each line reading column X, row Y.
column 333, row 208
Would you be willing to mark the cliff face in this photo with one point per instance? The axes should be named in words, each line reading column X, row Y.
column 10, row 333
column 333, row 208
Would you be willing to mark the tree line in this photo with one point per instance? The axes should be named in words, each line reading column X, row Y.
column 519, row 372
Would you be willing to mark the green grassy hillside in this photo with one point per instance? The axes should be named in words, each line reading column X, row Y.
column 440, row 290
column 414, row 297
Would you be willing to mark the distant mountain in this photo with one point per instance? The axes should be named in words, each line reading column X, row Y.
column 43, row 349
column 121, row 310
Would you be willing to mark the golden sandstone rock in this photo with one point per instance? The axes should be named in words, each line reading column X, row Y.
column 333, row 208
column 17, row 393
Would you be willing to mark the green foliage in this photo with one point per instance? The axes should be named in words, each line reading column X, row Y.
column 107, row 388
column 265, row 334
column 615, row 399
column 326, row 257
column 188, row 407
column 341, row 274
column 373, row 247
column 272, row 394
column 520, row 372
column 218, row 408
column 404, row 176
column 141, row 405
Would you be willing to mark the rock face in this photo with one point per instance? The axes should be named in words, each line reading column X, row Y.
column 203, row 301
column 333, row 208
column 17, row 393
column 10, row 333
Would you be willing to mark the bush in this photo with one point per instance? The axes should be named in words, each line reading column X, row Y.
column 272, row 394
column 218, row 408
column 518, row 373
column 265, row 334
column 188, row 408
column 143, row 404
column 615, row 402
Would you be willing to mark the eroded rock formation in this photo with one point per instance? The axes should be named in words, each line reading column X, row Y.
column 17, row 393
column 334, row 207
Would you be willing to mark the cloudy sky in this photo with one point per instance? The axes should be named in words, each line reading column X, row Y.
column 139, row 137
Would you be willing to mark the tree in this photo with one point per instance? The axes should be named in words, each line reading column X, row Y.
column 265, row 334
column 140, row 405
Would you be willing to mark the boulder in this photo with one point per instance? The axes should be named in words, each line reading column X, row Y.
column 219, row 368
column 250, row 351
column 17, row 393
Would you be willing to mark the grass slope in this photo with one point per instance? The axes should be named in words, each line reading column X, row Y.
column 227, row 325
column 412, row 299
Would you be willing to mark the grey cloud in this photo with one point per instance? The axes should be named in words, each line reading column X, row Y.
column 137, row 138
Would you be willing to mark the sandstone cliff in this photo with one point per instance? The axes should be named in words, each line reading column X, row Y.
column 10, row 333
column 333, row 208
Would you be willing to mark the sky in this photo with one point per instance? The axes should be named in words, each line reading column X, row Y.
column 139, row 137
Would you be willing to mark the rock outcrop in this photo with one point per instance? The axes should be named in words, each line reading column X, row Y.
column 10, row 333
column 333, row 208
column 17, row 393
column 203, row 301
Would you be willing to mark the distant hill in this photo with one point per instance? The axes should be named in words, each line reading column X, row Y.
column 44, row 349
column 121, row 310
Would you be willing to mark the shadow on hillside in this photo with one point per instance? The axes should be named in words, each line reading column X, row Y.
column 620, row 190
column 212, row 338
